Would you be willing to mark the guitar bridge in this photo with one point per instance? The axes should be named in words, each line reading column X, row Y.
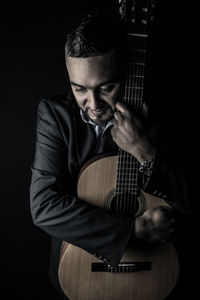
column 123, row 267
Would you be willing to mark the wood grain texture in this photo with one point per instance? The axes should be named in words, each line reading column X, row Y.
column 79, row 283
column 75, row 276
column 98, row 180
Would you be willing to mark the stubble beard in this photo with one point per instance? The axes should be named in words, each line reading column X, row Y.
column 98, row 120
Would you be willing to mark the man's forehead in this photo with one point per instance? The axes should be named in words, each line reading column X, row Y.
column 97, row 69
column 108, row 58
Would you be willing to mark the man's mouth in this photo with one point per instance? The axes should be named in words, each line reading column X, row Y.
column 98, row 111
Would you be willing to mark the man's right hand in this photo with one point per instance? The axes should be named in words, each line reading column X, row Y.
column 155, row 225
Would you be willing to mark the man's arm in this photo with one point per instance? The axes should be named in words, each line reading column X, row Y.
column 132, row 134
column 54, row 205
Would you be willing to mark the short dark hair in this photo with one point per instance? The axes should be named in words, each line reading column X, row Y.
column 95, row 36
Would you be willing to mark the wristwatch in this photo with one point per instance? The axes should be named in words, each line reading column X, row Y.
column 146, row 167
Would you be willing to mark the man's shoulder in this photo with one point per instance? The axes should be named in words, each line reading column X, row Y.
column 58, row 104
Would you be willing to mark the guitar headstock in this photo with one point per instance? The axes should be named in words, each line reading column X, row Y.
column 139, row 14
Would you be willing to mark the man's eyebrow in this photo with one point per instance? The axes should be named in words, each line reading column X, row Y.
column 76, row 84
column 100, row 84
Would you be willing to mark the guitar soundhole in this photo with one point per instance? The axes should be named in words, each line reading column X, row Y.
column 124, row 204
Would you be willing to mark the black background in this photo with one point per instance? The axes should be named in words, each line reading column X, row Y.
column 32, row 66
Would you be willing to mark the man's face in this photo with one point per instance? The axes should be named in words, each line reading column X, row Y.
column 96, row 85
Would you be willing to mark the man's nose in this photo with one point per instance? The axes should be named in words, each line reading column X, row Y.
column 93, row 100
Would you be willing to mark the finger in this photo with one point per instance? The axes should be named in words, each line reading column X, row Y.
column 118, row 116
column 121, row 107
column 114, row 123
column 145, row 110
column 165, row 227
column 115, row 129
column 163, row 213
column 112, row 132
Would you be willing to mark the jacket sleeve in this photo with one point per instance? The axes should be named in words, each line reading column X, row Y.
column 55, row 207
column 171, row 176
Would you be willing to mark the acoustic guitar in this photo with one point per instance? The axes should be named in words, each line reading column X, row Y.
column 145, row 272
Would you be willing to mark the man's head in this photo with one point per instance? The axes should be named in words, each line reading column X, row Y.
column 95, row 59
column 95, row 36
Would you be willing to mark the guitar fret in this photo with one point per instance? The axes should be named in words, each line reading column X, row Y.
column 138, row 64
column 127, row 172
column 129, row 100
column 135, row 87
column 137, row 56
column 136, row 76
column 138, row 35
column 137, row 50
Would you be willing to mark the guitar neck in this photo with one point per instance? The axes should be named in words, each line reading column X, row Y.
column 134, row 85
column 127, row 175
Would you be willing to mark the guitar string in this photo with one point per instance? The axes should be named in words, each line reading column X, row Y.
column 133, row 171
column 133, row 91
column 135, row 46
column 131, row 101
column 138, row 92
column 127, row 158
column 129, row 202
column 135, row 94
column 130, row 157
column 125, row 199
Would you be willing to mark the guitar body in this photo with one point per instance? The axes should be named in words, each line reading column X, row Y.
column 76, row 277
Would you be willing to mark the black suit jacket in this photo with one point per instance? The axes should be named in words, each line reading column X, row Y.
column 63, row 144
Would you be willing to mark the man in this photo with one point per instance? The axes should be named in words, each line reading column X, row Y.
column 91, row 119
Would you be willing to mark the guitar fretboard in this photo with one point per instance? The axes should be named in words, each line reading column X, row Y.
column 127, row 173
